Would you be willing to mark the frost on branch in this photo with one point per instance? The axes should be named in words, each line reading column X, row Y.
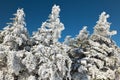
column 31, row 78
column 13, row 63
column 29, row 61
column 55, row 64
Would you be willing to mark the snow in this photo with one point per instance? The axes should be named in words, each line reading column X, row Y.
column 43, row 57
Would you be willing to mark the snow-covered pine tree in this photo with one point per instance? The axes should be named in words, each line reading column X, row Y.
column 100, row 59
column 15, row 35
column 50, row 30
column 80, row 39
column 103, row 27
column 95, row 57
column 79, row 43
column 53, row 60
column 78, row 46
column 14, row 39
column 104, row 52
column 83, row 34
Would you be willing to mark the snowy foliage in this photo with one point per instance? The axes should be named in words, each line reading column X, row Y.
column 83, row 34
column 15, row 34
column 103, row 27
column 50, row 30
column 43, row 57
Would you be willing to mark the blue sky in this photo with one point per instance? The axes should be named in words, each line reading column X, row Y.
column 74, row 14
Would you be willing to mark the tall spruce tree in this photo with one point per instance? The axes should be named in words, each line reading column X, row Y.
column 15, row 35
column 50, row 31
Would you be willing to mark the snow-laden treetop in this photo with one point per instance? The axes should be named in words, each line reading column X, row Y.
column 55, row 12
column 103, row 26
column 103, row 18
column 51, row 29
column 16, row 34
column 19, row 18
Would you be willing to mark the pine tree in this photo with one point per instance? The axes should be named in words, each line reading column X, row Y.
column 52, row 57
column 94, row 57
column 15, row 35
column 102, row 27
column 14, row 38
column 50, row 31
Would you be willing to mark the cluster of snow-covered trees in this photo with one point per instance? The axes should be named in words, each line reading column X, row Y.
column 43, row 57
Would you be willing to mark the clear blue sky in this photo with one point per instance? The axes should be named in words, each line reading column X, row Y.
column 74, row 14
